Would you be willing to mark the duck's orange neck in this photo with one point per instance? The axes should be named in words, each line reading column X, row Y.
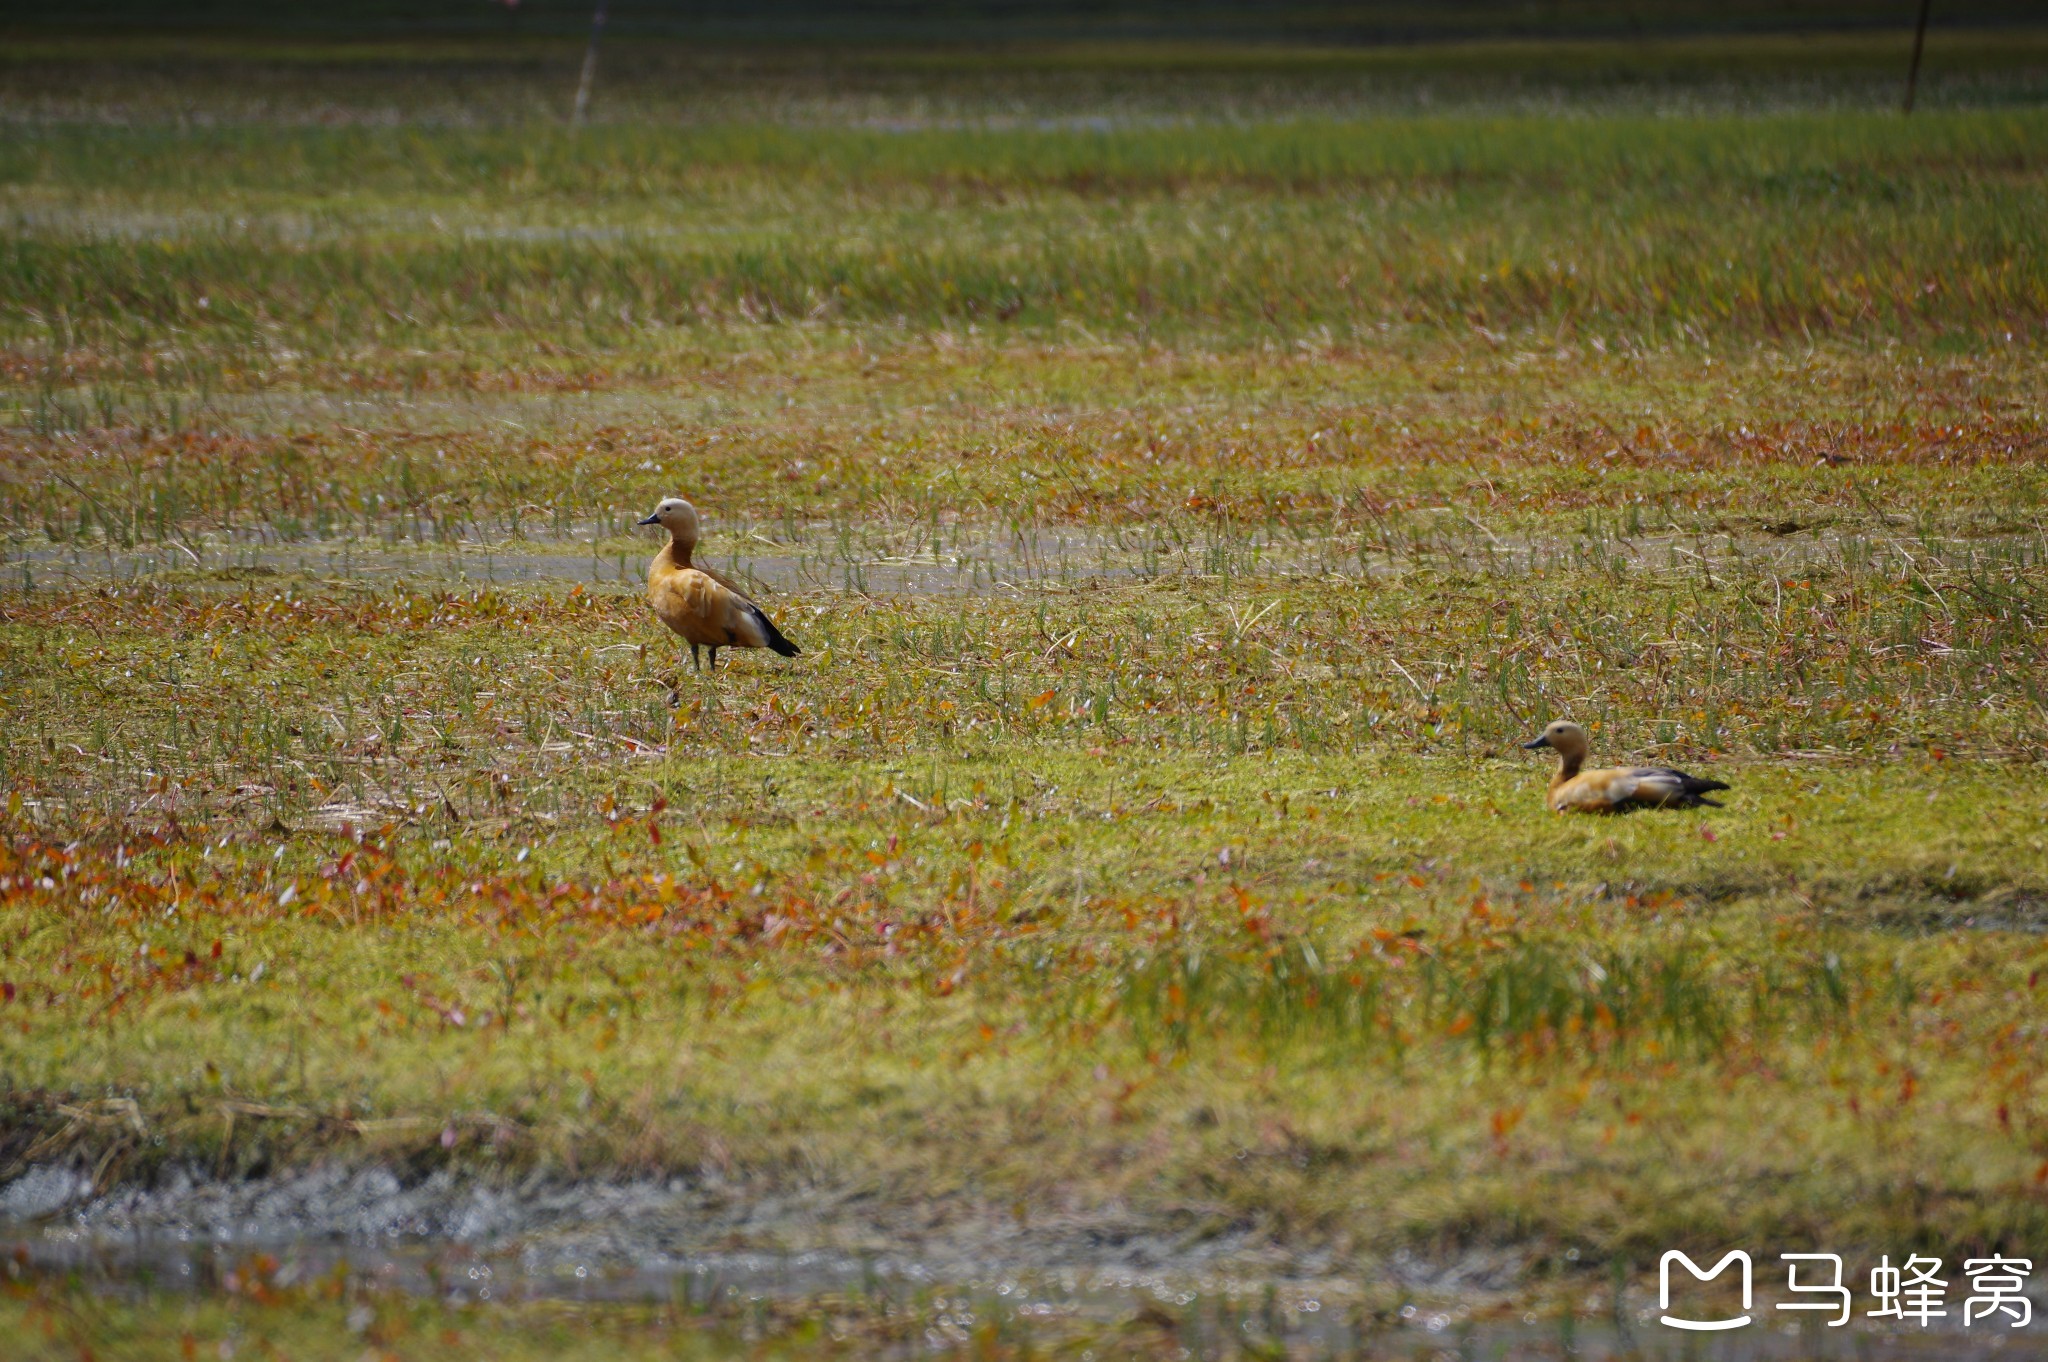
column 1568, row 764
column 676, row 555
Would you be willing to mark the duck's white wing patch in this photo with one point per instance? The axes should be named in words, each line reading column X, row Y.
column 1621, row 787
column 1650, row 785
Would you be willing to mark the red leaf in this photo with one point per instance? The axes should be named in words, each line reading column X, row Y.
column 216, row 950
column 7, row 992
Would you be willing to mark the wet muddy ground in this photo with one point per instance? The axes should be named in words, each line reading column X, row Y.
column 971, row 560
column 700, row 1241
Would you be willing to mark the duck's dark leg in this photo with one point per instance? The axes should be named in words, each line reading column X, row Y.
column 714, row 657
column 696, row 662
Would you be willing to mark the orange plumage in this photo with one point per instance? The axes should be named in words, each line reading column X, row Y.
column 705, row 608
column 1614, row 789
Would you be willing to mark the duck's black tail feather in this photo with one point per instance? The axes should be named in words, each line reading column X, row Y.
column 1697, row 787
column 776, row 639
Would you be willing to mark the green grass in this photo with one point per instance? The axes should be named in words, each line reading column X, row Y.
column 1282, row 473
column 1641, row 230
column 973, row 862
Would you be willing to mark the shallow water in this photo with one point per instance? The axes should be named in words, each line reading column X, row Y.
column 880, row 563
column 701, row 1245
column 973, row 560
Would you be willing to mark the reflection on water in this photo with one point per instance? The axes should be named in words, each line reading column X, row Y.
column 1210, row 1316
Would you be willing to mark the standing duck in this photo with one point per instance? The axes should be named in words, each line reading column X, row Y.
column 705, row 608
column 1613, row 789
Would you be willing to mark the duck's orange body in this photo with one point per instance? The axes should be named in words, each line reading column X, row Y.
column 1614, row 789
column 1617, row 787
column 704, row 608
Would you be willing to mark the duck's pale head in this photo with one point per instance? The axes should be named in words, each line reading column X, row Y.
column 676, row 516
column 1568, row 738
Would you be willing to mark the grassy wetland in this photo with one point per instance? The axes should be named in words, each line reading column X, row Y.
column 1189, row 475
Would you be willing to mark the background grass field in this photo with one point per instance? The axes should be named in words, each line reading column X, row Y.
column 1189, row 472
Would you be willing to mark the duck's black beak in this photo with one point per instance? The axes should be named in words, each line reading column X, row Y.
column 652, row 520
column 1539, row 742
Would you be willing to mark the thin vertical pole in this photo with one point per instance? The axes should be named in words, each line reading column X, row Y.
column 1919, row 41
column 597, row 31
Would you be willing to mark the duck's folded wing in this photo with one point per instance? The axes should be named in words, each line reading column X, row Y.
column 728, row 583
column 1653, row 785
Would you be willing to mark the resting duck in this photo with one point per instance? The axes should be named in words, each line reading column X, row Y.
column 1613, row 789
column 705, row 608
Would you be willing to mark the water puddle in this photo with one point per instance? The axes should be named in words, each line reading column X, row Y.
column 979, row 560
column 957, row 1270
column 1211, row 1317
column 878, row 562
